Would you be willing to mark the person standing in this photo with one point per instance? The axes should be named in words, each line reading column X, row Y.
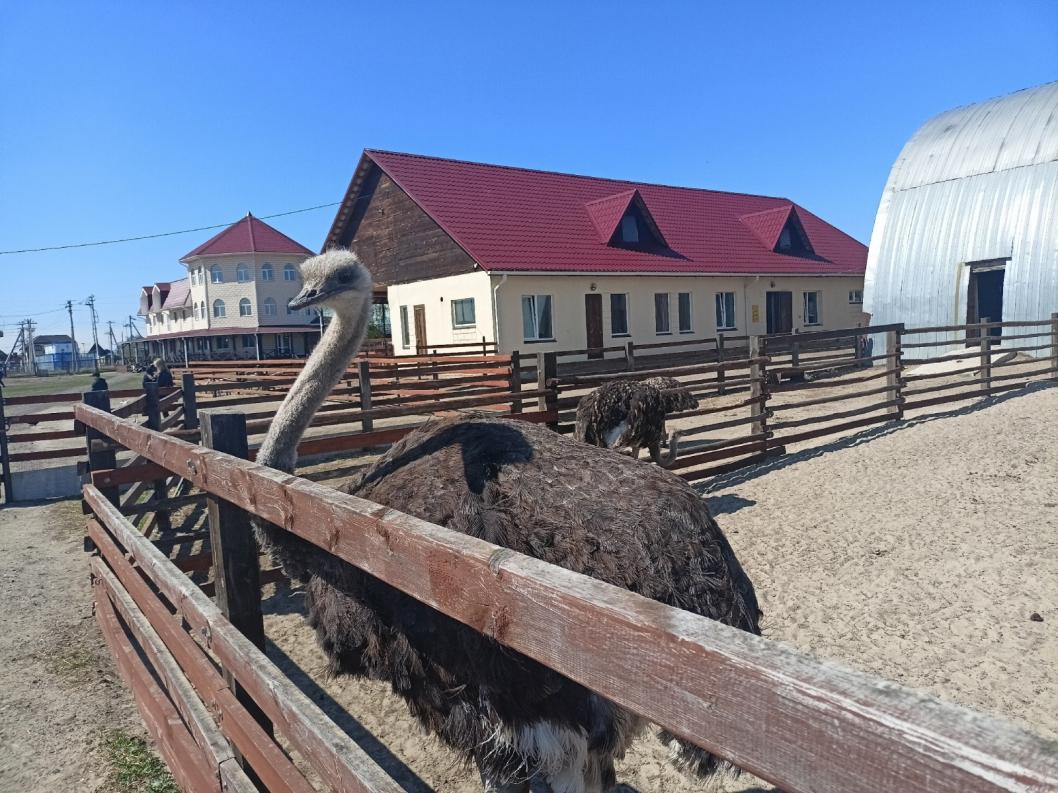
column 164, row 377
column 98, row 383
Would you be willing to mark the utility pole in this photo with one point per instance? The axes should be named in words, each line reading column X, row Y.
column 27, row 340
column 73, row 338
column 113, row 342
column 91, row 303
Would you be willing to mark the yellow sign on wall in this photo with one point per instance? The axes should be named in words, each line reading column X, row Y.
column 756, row 313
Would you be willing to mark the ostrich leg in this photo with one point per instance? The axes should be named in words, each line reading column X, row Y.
column 491, row 785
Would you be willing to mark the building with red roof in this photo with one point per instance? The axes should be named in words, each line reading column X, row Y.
column 233, row 302
column 537, row 260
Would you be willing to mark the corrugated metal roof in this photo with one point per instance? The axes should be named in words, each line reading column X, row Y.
column 972, row 184
column 516, row 219
column 249, row 235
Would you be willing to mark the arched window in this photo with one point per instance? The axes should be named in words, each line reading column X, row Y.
column 216, row 275
column 218, row 309
column 242, row 273
column 266, row 272
column 289, row 273
column 269, row 307
column 245, row 310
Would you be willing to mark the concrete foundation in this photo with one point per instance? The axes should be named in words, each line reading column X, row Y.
column 60, row 481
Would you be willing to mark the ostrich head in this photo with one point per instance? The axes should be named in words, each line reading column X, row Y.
column 335, row 279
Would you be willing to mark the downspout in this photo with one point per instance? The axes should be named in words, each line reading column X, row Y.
column 495, row 313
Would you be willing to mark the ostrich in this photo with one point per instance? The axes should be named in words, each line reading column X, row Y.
column 625, row 413
column 529, row 489
column 676, row 395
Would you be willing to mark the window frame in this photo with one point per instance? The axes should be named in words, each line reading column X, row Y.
column 538, row 312
column 267, row 273
column 818, row 295
column 690, row 312
column 216, row 274
column 270, row 309
column 243, row 274
column 245, row 303
column 405, row 329
column 853, row 301
column 723, row 321
column 473, row 312
column 666, row 315
column 630, row 229
column 290, row 272
column 616, row 334
column 223, row 313
column 248, row 337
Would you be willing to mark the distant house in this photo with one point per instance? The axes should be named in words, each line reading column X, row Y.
column 54, row 353
column 966, row 228
column 233, row 303
column 536, row 260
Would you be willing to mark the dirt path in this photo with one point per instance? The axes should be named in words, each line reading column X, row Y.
column 58, row 689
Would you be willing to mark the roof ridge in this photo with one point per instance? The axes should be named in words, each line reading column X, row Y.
column 524, row 169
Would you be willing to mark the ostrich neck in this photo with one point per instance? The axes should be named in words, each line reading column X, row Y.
column 324, row 368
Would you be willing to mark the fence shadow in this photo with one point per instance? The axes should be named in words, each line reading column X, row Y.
column 751, row 472
column 375, row 749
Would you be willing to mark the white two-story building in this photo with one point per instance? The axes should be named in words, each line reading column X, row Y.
column 233, row 302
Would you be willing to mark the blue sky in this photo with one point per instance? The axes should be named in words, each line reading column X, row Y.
column 121, row 119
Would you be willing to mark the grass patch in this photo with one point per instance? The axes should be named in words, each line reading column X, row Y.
column 22, row 385
column 133, row 766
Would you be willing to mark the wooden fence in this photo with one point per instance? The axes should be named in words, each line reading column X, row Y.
column 222, row 713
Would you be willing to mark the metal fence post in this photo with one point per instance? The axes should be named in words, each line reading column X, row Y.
column 101, row 452
column 364, row 382
column 5, row 458
column 894, row 378
column 190, row 399
column 236, row 564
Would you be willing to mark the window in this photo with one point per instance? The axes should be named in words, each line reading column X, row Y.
column 684, row 310
column 222, row 342
column 812, row 301
column 248, row 341
column 242, row 273
column 661, row 312
column 629, row 229
column 216, row 275
column 245, row 309
column 536, row 318
column 218, row 308
column 785, row 239
column 463, row 313
column 725, row 311
column 856, row 296
column 405, row 331
column 269, row 307
column 201, row 344
column 195, row 310
column 618, row 315
column 289, row 273
column 266, row 272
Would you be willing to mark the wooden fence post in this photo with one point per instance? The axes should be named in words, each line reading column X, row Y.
column 986, row 358
column 758, row 388
column 190, row 399
column 5, row 461
column 894, row 378
column 364, row 381
column 515, row 380
column 630, row 355
column 721, row 375
column 546, row 373
column 485, row 347
column 236, row 565
column 1054, row 346
column 101, row 453
column 153, row 410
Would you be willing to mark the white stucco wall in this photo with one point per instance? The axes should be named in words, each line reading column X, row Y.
column 436, row 296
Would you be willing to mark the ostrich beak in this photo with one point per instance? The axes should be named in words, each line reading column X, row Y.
column 308, row 296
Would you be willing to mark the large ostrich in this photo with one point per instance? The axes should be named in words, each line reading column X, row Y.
column 625, row 413
column 529, row 489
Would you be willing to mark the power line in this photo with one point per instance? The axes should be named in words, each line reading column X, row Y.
column 163, row 234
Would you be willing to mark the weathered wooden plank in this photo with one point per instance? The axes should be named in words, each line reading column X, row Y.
column 127, row 474
column 795, row 721
column 185, row 759
column 268, row 761
column 339, row 761
column 33, row 437
column 874, row 407
column 46, row 454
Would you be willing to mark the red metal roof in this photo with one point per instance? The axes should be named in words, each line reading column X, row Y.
column 248, row 235
column 179, row 292
column 515, row 219
column 768, row 225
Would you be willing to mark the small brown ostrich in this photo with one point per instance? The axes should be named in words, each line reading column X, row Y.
column 676, row 395
column 517, row 485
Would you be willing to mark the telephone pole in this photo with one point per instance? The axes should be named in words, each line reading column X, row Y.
column 27, row 340
column 113, row 342
column 73, row 338
column 91, row 303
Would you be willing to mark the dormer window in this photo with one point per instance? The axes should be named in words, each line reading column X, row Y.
column 792, row 239
column 785, row 239
column 629, row 229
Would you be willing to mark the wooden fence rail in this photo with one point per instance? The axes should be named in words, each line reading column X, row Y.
column 802, row 724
